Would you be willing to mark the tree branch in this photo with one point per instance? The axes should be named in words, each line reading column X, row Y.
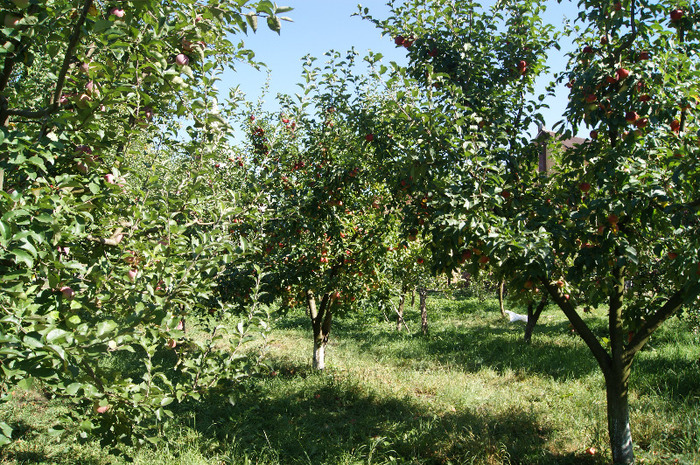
column 672, row 305
column 72, row 43
column 601, row 356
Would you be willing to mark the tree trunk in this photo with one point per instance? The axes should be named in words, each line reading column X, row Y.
column 501, row 291
column 399, row 316
column 422, row 292
column 533, row 314
column 321, row 318
column 413, row 297
column 619, row 417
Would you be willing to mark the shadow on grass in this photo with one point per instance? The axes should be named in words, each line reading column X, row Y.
column 325, row 418
column 472, row 348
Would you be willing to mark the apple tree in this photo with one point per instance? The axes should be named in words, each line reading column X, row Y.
column 323, row 237
column 110, row 227
column 616, row 222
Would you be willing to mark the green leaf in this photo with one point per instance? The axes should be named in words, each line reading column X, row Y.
column 23, row 257
column 252, row 20
column 5, row 433
column 106, row 327
column 274, row 23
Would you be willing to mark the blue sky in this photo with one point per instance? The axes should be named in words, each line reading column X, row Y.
column 322, row 25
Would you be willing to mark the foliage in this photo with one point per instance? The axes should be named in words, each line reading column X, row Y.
column 111, row 229
column 616, row 220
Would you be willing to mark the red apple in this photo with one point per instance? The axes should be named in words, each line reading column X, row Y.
column 594, row 134
column 590, row 98
column 644, row 98
column 182, row 60
column 610, row 79
column 617, row 6
column 522, row 66
column 132, row 274
column 109, row 178
column 675, row 125
column 68, row 292
column 433, row 53
column 483, row 259
column 588, row 49
column 419, row 260
column 631, row 116
column 622, row 73
column 466, row 255
column 399, row 40
column 641, row 123
column 101, row 409
column 585, row 187
column 11, row 21
column 528, row 284
column 613, row 219
column 117, row 12
column 369, row 137
column 672, row 255
column 644, row 55
column 677, row 15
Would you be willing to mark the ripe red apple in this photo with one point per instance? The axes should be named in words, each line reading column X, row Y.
column 505, row 194
column 631, row 116
column 644, row 98
column 419, row 260
column 68, row 292
column 613, row 219
column 132, row 274
column 109, row 178
column 585, row 187
column 590, row 98
column 677, row 15
column 622, row 73
column 369, row 137
column 433, row 53
column 182, row 60
column 82, row 167
column 399, row 40
column 92, row 90
column 560, row 284
column 617, row 6
column 528, row 284
column 117, row 12
column 672, row 255
column 483, row 259
column 588, row 49
column 466, row 255
column 644, row 55
column 604, row 40
column 641, row 123
column 610, row 79
column 594, row 134
column 522, row 66
column 101, row 409
column 675, row 125
column 11, row 21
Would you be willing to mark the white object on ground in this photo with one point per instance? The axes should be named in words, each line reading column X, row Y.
column 516, row 316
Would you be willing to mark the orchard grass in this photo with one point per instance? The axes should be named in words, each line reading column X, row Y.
column 469, row 392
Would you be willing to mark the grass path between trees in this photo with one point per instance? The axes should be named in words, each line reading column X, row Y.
column 469, row 392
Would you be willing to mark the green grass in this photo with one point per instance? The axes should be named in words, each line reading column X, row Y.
column 469, row 392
